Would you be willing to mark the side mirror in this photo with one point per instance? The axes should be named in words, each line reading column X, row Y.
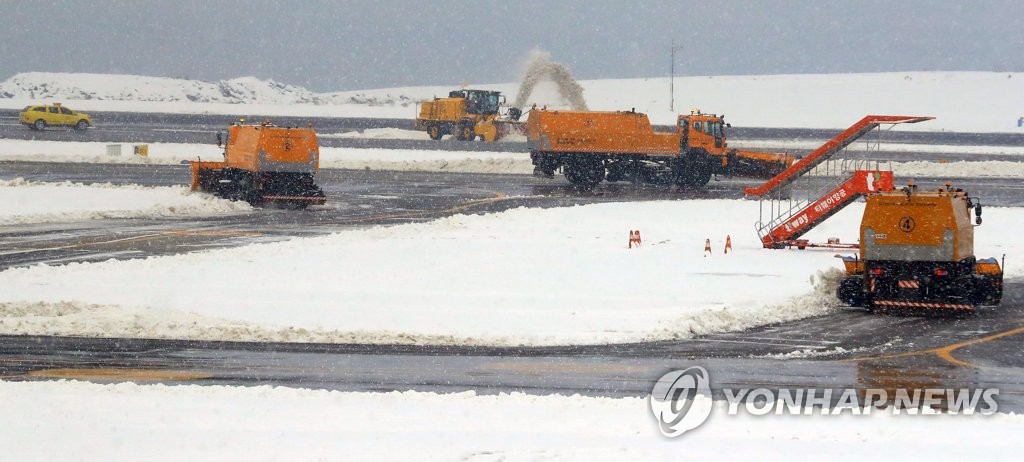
column 220, row 139
column 977, row 210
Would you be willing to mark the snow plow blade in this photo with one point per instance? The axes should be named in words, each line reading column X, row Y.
column 762, row 165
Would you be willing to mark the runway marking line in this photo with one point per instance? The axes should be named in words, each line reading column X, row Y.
column 498, row 197
column 946, row 352
column 213, row 232
column 118, row 374
column 178, row 232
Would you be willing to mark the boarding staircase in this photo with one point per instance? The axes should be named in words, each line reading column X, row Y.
column 784, row 218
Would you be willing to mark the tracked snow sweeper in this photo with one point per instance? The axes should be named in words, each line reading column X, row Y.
column 917, row 252
column 263, row 164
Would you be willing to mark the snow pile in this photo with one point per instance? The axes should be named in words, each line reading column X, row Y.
column 102, row 87
column 78, row 420
column 961, row 101
column 31, row 202
column 427, row 161
column 97, row 153
column 865, row 147
column 526, row 276
column 380, row 133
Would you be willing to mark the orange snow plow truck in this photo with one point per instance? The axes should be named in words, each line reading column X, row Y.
column 263, row 164
column 592, row 146
column 917, row 252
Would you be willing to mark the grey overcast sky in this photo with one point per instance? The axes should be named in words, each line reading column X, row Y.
column 327, row 45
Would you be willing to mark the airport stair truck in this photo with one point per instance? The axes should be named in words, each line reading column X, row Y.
column 785, row 219
column 468, row 114
column 264, row 164
column 593, row 146
column 917, row 252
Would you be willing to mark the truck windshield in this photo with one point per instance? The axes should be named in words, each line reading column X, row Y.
column 715, row 128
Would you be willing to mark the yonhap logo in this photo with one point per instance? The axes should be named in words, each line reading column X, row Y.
column 678, row 407
column 675, row 404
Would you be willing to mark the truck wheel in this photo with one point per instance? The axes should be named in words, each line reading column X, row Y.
column 39, row 124
column 695, row 177
column 464, row 132
column 851, row 291
column 584, row 172
column 987, row 291
column 81, row 125
column 435, row 132
column 693, row 171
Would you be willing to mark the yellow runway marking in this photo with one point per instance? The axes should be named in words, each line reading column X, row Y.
column 119, row 374
column 946, row 352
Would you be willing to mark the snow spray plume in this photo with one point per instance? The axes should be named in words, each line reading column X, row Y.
column 539, row 66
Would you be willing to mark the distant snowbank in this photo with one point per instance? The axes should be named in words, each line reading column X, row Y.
column 105, row 87
column 437, row 161
column 69, row 420
column 520, row 277
column 31, row 202
column 961, row 101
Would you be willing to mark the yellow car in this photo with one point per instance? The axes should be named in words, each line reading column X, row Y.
column 53, row 115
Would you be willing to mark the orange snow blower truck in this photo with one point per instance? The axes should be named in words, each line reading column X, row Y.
column 917, row 252
column 594, row 146
column 263, row 164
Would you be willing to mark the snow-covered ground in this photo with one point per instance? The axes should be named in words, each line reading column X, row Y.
column 961, row 101
column 525, row 276
column 450, row 161
column 380, row 133
column 34, row 202
column 81, row 421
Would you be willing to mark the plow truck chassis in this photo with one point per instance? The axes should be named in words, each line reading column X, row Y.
column 264, row 164
column 917, row 252
column 593, row 146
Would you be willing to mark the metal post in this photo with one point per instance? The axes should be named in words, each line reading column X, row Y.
column 672, row 79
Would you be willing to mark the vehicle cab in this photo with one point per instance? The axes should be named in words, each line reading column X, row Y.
column 705, row 131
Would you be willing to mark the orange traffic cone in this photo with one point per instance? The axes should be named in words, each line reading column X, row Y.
column 707, row 247
column 634, row 238
column 728, row 243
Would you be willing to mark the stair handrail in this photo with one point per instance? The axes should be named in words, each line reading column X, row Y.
column 836, row 144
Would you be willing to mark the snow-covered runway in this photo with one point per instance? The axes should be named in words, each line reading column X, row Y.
column 525, row 276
